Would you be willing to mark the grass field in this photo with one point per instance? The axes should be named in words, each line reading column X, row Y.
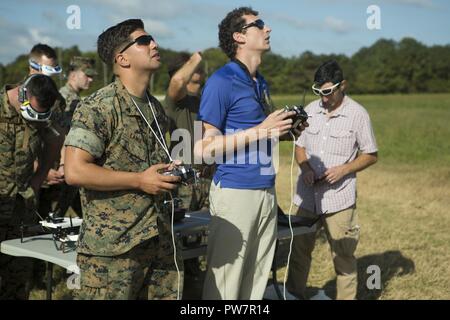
column 403, row 202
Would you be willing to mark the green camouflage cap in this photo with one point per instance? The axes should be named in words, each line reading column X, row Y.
column 87, row 65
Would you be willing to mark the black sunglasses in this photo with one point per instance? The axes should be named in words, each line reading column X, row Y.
column 257, row 23
column 141, row 41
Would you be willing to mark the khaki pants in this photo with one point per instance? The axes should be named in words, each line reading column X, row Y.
column 241, row 243
column 342, row 232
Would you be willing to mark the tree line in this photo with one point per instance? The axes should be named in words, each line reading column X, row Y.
column 387, row 66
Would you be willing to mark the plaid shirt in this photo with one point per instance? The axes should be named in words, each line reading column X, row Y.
column 330, row 142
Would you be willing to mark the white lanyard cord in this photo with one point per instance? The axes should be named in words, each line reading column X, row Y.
column 161, row 141
column 157, row 124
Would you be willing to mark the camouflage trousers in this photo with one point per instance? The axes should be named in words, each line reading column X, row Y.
column 147, row 271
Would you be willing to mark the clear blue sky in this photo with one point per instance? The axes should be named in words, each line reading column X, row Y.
column 320, row 26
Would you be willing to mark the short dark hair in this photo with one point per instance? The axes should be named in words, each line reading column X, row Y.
column 41, row 49
column 44, row 89
column 232, row 23
column 329, row 71
column 110, row 41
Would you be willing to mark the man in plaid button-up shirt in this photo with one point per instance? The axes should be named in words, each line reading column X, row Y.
column 338, row 143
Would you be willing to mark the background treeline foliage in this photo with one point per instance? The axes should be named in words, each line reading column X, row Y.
column 387, row 66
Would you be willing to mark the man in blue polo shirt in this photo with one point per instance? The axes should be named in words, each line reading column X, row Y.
column 238, row 127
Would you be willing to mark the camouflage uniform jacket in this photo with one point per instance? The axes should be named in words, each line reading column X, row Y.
column 108, row 126
column 72, row 100
column 20, row 145
column 58, row 109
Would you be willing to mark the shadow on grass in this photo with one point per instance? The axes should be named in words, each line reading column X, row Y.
column 391, row 263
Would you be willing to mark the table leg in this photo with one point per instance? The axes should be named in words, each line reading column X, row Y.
column 49, row 280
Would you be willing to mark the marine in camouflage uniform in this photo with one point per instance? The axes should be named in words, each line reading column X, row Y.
column 125, row 246
column 58, row 198
column 44, row 56
column 72, row 100
column 182, row 115
column 71, row 94
column 20, row 144
column 182, row 103
column 50, row 194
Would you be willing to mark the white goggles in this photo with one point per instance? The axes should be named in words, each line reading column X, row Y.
column 46, row 70
column 325, row 91
column 29, row 114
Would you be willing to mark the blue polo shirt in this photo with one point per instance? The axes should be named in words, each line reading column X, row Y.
column 232, row 100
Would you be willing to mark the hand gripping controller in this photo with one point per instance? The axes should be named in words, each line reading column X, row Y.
column 187, row 174
column 299, row 117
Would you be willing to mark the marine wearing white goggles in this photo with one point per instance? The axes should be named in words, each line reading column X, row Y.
column 45, row 69
column 26, row 110
column 325, row 91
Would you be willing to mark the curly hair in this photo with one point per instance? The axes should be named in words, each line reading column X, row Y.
column 232, row 23
column 109, row 42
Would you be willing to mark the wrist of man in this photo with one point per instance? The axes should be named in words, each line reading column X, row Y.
column 138, row 183
column 262, row 133
column 346, row 169
column 257, row 131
